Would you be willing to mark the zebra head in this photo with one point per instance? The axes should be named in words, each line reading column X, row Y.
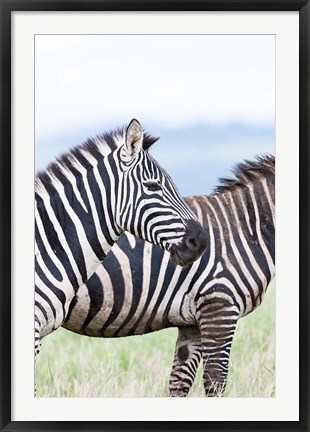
column 149, row 205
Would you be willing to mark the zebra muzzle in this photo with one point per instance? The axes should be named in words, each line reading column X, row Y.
column 192, row 246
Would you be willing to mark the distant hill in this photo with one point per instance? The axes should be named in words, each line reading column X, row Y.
column 195, row 156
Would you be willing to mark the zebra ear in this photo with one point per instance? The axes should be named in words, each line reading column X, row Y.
column 134, row 138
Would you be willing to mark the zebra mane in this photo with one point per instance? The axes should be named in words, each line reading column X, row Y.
column 86, row 154
column 247, row 172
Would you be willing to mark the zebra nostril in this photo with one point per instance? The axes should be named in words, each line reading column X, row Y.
column 192, row 243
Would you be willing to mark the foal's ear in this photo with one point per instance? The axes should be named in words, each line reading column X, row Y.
column 134, row 138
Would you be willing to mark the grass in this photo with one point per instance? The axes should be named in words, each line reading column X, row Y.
column 70, row 365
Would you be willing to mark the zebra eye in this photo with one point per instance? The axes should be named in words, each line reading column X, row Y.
column 152, row 186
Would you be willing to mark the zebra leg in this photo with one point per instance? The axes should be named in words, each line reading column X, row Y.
column 217, row 324
column 37, row 336
column 186, row 360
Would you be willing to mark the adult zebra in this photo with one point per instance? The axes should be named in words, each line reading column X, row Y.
column 138, row 290
column 85, row 200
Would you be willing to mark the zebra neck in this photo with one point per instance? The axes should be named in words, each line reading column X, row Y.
column 248, row 209
column 75, row 222
column 259, row 205
column 246, row 213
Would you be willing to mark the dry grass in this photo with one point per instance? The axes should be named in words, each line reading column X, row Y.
column 76, row 366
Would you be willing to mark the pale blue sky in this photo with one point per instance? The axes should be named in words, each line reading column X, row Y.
column 211, row 99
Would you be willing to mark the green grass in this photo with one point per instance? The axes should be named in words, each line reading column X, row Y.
column 70, row 365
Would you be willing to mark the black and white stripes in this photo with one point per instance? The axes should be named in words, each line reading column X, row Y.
column 85, row 200
column 138, row 289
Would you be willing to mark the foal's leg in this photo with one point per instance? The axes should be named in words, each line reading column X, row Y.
column 217, row 323
column 186, row 360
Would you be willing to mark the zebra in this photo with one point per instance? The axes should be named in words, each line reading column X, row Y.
column 86, row 199
column 137, row 289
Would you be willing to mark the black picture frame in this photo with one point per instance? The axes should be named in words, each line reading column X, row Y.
column 7, row 7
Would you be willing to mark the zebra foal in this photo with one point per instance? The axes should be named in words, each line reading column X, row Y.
column 138, row 290
column 85, row 200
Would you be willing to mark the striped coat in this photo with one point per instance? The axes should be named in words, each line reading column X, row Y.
column 85, row 200
column 138, row 290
